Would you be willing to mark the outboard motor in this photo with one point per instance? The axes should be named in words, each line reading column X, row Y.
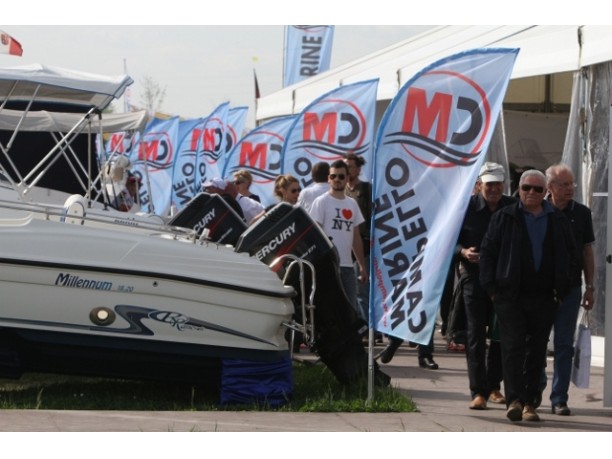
column 211, row 212
column 286, row 229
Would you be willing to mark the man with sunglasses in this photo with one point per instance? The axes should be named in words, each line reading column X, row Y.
column 527, row 260
column 339, row 216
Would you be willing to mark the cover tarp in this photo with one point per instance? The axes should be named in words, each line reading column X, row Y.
column 45, row 121
column 48, row 84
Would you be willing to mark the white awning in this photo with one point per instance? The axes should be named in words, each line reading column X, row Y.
column 543, row 50
column 60, row 86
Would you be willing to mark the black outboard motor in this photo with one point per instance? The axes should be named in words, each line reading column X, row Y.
column 338, row 332
column 211, row 212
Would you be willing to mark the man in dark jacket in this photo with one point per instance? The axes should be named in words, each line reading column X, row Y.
column 484, row 365
column 527, row 259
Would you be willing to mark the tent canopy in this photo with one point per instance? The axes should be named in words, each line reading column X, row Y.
column 543, row 50
column 53, row 85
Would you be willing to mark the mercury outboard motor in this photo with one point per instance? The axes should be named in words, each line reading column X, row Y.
column 286, row 229
column 210, row 212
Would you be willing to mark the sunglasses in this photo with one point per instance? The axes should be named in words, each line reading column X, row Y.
column 238, row 182
column 295, row 190
column 337, row 176
column 528, row 188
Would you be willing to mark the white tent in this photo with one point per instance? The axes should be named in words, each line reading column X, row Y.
column 544, row 50
column 557, row 68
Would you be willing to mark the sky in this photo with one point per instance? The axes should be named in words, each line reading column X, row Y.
column 199, row 67
column 203, row 65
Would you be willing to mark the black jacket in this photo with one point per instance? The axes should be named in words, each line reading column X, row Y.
column 500, row 253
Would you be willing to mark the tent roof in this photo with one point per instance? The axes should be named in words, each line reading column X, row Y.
column 44, row 121
column 543, row 50
column 56, row 85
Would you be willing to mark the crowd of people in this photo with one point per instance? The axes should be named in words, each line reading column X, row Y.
column 517, row 272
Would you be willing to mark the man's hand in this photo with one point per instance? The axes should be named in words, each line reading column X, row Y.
column 363, row 275
column 588, row 299
column 471, row 254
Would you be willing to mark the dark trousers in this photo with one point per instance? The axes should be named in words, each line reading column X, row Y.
column 524, row 327
column 425, row 350
column 484, row 365
column 447, row 298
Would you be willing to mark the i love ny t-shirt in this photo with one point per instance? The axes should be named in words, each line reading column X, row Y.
column 339, row 218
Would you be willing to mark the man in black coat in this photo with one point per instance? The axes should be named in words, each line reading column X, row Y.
column 483, row 362
column 527, row 259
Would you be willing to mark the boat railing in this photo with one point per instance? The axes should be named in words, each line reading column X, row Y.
column 58, row 213
column 307, row 308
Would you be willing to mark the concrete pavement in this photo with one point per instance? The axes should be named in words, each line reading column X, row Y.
column 442, row 398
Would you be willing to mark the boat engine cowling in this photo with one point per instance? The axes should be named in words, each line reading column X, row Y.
column 288, row 229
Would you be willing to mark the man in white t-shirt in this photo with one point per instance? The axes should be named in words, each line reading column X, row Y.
column 339, row 216
column 319, row 174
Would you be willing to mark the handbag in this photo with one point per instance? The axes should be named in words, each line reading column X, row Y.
column 581, row 368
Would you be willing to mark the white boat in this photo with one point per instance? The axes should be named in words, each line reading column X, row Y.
column 85, row 292
column 90, row 290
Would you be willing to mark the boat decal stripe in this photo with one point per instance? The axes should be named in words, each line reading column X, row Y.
column 128, row 272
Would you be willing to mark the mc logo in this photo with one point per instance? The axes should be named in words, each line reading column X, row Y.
column 156, row 149
column 210, row 138
column 328, row 135
column 441, row 130
column 120, row 143
column 330, row 129
column 261, row 155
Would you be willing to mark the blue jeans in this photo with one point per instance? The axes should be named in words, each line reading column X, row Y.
column 565, row 330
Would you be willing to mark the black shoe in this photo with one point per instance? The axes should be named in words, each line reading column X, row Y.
column 428, row 362
column 387, row 354
column 561, row 409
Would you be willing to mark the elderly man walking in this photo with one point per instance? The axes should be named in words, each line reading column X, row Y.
column 561, row 188
column 484, row 364
column 527, row 262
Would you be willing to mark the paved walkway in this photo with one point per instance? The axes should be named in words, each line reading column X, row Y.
column 442, row 397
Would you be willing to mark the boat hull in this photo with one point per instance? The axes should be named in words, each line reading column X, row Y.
column 77, row 289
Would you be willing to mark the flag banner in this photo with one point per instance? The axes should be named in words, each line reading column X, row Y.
column 337, row 123
column 184, row 186
column 307, row 51
column 154, row 164
column 236, row 120
column 430, row 145
column 8, row 45
column 259, row 152
column 211, row 148
column 120, row 143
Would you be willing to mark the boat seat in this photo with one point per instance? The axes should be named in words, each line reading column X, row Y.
column 74, row 210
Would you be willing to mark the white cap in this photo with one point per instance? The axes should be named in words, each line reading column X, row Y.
column 491, row 172
column 216, row 182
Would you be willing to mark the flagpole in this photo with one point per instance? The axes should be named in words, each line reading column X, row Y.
column 126, row 95
column 284, row 54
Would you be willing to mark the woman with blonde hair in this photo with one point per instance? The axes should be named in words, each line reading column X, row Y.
column 243, row 180
column 287, row 188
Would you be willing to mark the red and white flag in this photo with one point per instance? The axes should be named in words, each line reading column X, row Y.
column 8, row 45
